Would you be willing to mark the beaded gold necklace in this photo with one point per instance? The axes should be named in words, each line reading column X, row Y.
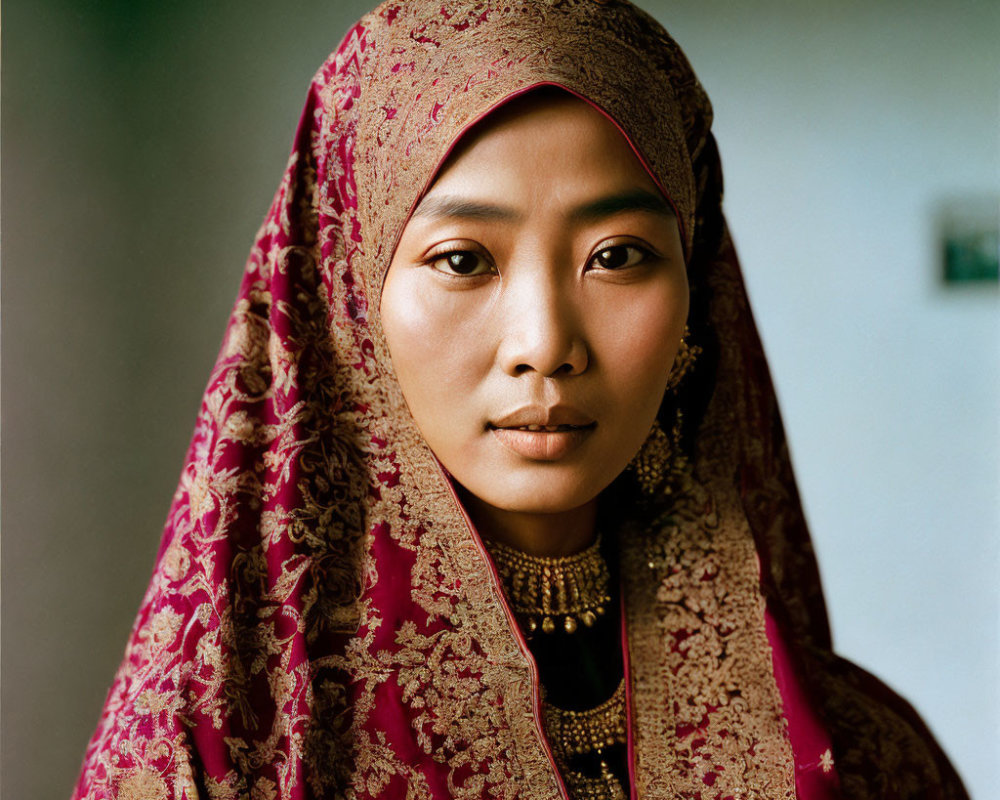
column 590, row 732
column 549, row 594
column 542, row 591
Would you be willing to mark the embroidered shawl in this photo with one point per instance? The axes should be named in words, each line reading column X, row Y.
column 323, row 621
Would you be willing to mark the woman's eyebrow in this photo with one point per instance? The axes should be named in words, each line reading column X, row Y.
column 450, row 206
column 635, row 200
column 609, row 205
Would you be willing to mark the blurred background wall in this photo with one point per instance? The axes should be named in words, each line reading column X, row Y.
column 142, row 143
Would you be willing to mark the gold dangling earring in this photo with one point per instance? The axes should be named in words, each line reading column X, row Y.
column 652, row 463
column 659, row 458
column 687, row 354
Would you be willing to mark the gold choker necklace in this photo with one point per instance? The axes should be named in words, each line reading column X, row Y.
column 542, row 591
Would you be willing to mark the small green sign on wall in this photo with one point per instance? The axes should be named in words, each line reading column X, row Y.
column 971, row 240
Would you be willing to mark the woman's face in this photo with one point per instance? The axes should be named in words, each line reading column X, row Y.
column 534, row 306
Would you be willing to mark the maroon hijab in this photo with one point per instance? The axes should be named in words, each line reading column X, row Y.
column 323, row 621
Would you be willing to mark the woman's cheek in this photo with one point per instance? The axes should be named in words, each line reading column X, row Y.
column 440, row 354
column 468, row 331
column 427, row 329
column 640, row 339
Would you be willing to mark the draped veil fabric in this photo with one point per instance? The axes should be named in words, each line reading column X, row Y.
column 323, row 620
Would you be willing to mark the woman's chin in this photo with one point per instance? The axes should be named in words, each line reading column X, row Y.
column 554, row 494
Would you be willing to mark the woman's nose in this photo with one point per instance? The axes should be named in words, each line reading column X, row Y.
column 541, row 330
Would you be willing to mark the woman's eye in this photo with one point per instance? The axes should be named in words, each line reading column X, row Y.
column 619, row 256
column 461, row 262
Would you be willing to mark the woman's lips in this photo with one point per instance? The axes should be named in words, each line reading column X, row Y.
column 543, row 442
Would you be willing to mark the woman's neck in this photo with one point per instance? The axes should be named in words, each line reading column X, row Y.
column 557, row 534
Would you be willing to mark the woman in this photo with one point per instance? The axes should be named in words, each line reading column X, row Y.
column 488, row 495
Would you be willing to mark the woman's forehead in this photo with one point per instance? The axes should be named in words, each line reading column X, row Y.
column 539, row 137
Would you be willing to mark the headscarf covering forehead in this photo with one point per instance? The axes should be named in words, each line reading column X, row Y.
column 439, row 67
